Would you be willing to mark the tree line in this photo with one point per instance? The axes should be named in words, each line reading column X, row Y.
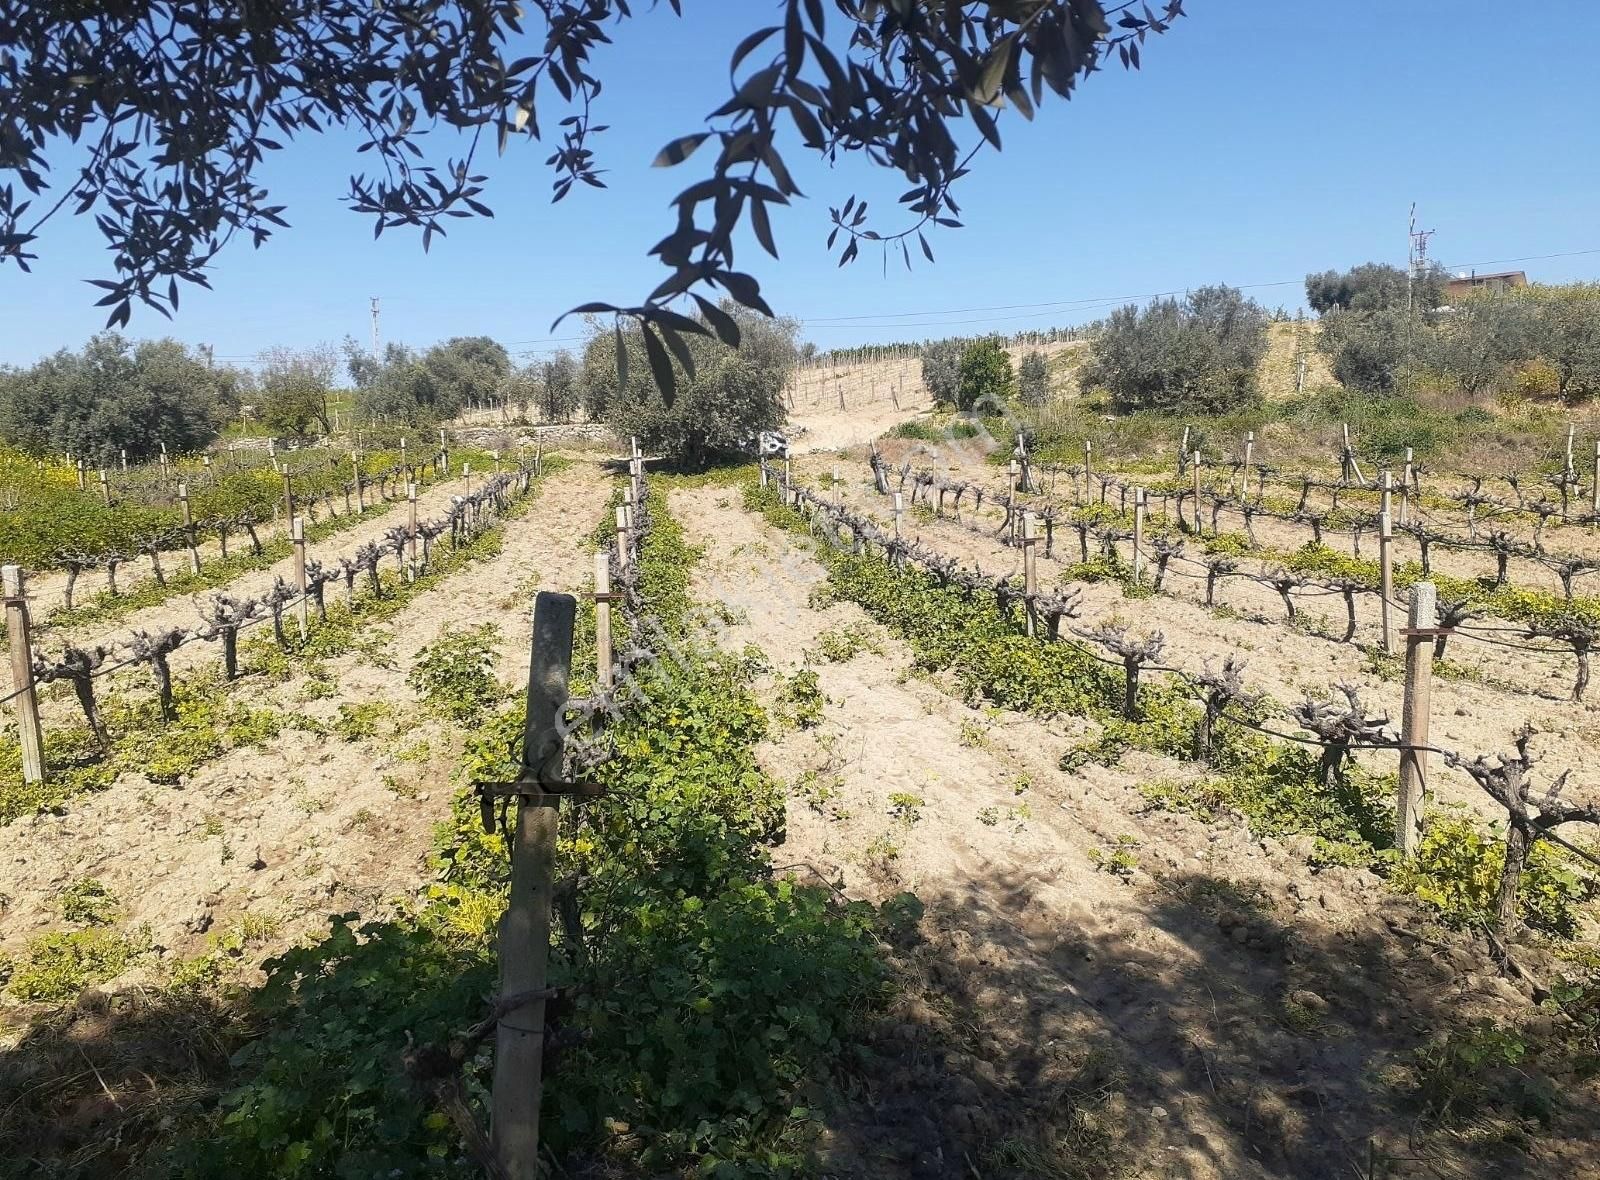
column 116, row 397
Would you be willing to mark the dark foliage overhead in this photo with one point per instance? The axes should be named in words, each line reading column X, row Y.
column 173, row 108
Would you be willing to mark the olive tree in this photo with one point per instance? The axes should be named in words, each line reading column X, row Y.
column 725, row 396
column 1197, row 353
column 985, row 378
column 1033, row 380
column 174, row 112
column 294, row 387
column 941, row 370
column 116, row 396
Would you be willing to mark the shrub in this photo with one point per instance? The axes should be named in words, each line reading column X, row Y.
column 455, row 674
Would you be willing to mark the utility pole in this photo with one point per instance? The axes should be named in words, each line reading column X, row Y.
column 374, row 327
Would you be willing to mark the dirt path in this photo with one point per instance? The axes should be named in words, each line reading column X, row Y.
column 1200, row 1008
column 305, row 825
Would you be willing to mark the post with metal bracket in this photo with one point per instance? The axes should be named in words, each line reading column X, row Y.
column 602, row 619
column 17, row 631
column 524, row 941
column 1420, row 636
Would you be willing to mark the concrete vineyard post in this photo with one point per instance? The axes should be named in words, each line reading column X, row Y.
column 105, row 488
column 1386, row 578
column 899, row 512
column 83, row 482
column 188, row 526
column 1088, row 449
column 1194, row 467
column 1249, row 451
column 525, row 928
column 1016, row 476
column 1183, row 451
column 1345, row 455
column 205, row 461
column 838, row 493
column 496, row 455
column 122, row 455
column 27, row 701
column 1138, row 531
column 1414, row 718
column 622, row 537
column 297, row 533
column 602, row 619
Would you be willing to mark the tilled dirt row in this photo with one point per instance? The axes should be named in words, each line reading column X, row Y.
column 46, row 590
column 183, row 611
column 1201, row 1005
column 307, row 825
column 1468, row 716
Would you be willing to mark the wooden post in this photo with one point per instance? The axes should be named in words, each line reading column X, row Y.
column 361, row 495
column 1138, row 531
column 1386, row 578
column 525, row 928
column 1571, row 431
column 297, row 533
column 1596, row 506
column 1030, row 569
column 899, row 512
column 1410, row 804
column 402, row 452
column 1016, row 476
column 1183, row 449
column 105, row 488
column 1194, row 468
column 1345, row 455
column 1088, row 448
column 622, row 537
column 27, row 701
column 602, row 619
column 188, row 526
column 411, row 527
column 1405, row 490
column 838, row 494
column 1244, row 473
column 83, row 482
column 288, row 497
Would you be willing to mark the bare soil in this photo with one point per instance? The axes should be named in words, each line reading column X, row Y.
column 307, row 825
column 1211, row 1009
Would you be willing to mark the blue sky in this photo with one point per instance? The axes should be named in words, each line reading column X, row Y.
column 1260, row 141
